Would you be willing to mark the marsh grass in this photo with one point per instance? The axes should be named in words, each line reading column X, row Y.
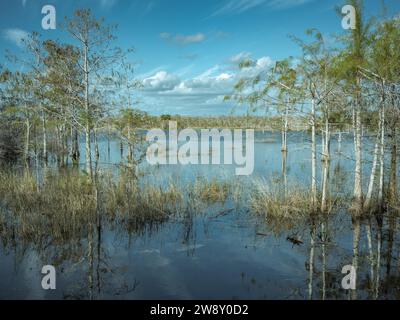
column 287, row 206
column 213, row 191
column 59, row 208
column 129, row 201
column 61, row 204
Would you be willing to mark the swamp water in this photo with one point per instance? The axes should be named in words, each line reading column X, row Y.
column 221, row 250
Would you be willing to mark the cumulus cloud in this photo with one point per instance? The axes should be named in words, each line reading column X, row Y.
column 182, row 39
column 16, row 36
column 161, row 81
column 202, row 92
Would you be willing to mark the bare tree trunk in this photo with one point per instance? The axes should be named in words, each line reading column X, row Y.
column 88, row 150
column 393, row 168
column 27, row 138
column 285, row 130
column 44, row 127
column 368, row 197
column 313, row 157
column 382, row 156
column 325, row 185
column 326, row 167
column 327, row 139
column 358, row 195
column 96, row 145
column 74, row 146
column 88, row 146
column 130, row 149
column 58, row 144
column 284, row 173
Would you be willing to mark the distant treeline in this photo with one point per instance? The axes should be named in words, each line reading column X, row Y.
column 268, row 123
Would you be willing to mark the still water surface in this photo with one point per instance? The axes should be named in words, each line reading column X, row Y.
column 224, row 252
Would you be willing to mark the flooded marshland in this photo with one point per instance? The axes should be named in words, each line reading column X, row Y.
column 193, row 232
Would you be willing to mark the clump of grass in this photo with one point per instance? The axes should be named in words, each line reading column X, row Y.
column 127, row 199
column 59, row 208
column 211, row 191
column 272, row 201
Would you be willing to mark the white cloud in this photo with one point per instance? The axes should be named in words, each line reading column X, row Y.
column 24, row 2
column 170, row 93
column 282, row 4
column 161, row 81
column 16, row 36
column 182, row 39
column 240, row 6
column 224, row 77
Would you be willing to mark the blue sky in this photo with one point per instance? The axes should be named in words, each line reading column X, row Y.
column 187, row 50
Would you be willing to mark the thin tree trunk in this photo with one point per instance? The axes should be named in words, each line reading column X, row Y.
column 96, row 145
column 358, row 195
column 284, row 173
column 88, row 146
column 327, row 139
column 88, row 150
column 325, row 185
column 382, row 156
column 75, row 146
column 326, row 167
column 284, row 134
column 313, row 157
column 393, row 168
column 368, row 197
column 27, row 138
column 130, row 150
column 44, row 126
